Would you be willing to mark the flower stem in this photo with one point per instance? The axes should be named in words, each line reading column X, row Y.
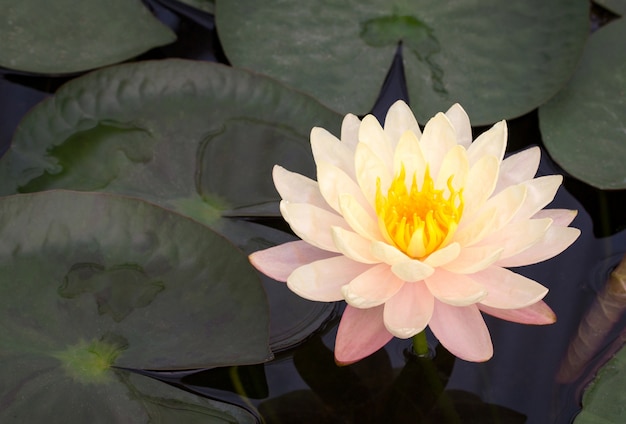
column 420, row 345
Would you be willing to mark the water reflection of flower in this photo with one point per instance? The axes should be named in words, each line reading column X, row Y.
column 414, row 229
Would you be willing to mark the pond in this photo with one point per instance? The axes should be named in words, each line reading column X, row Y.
column 536, row 375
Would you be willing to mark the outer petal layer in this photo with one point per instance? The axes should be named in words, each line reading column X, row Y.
column 536, row 314
column 408, row 312
column 462, row 330
column 361, row 332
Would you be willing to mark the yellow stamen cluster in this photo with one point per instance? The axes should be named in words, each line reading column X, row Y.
column 418, row 221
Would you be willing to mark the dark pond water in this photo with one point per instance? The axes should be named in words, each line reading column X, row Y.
column 533, row 376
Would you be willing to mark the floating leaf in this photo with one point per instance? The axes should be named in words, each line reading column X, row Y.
column 197, row 137
column 90, row 282
column 603, row 401
column 499, row 60
column 615, row 6
column 65, row 36
column 583, row 127
column 204, row 5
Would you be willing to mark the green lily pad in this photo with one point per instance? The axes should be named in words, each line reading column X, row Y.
column 199, row 138
column 603, row 401
column 498, row 59
column 93, row 281
column 65, row 36
column 204, row 5
column 583, row 127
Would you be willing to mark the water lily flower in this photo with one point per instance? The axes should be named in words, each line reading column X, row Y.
column 416, row 229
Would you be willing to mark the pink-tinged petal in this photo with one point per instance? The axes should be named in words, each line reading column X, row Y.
column 353, row 246
column 361, row 332
column 535, row 314
column 481, row 180
column 400, row 119
column 539, row 192
column 507, row 289
column 328, row 148
column 507, row 204
column 280, row 261
column 408, row 154
column 312, row 224
column 412, row 270
column 555, row 241
column 334, row 182
column 322, row 280
column 490, row 143
column 372, row 288
column 462, row 330
column 439, row 136
column 350, row 130
column 455, row 289
column 369, row 169
column 461, row 123
column 518, row 168
column 518, row 236
column 559, row 217
column 454, row 165
column 474, row 258
column 296, row 188
column 360, row 219
column 408, row 312
column 373, row 135
column 444, row 255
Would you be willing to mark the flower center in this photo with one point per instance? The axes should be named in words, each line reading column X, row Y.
column 418, row 221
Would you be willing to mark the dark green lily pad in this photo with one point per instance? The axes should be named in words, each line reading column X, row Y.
column 93, row 281
column 603, row 401
column 204, row 5
column 583, row 127
column 498, row 59
column 200, row 138
column 65, row 36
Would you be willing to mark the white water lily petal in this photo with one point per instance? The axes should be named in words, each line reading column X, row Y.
column 461, row 123
column 350, row 130
column 312, row 224
column 507, row 289
column 353, row 246
column 481, row 180
column 475, row 258
column 444, row 255
column 408, row 154
column 296, row 188
column 328, row 148
column 455, row 289
column 518, row 236
column 490, row 143
column 372, row 288
column 454, row 165
column 438, row 137
column 412, row 270
column 559, row 217
column 554, row 241
column 373, row 135
column 333, row 182
column 370, row 169
column 475, row 230
column 387, row 253
column 322, row 280
column 358, row 218
column 280, row 261
column 518, row 168
column 408, row 312
column 507, row 203
column 462, row 330
column 539, row 192
column 398, row 120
